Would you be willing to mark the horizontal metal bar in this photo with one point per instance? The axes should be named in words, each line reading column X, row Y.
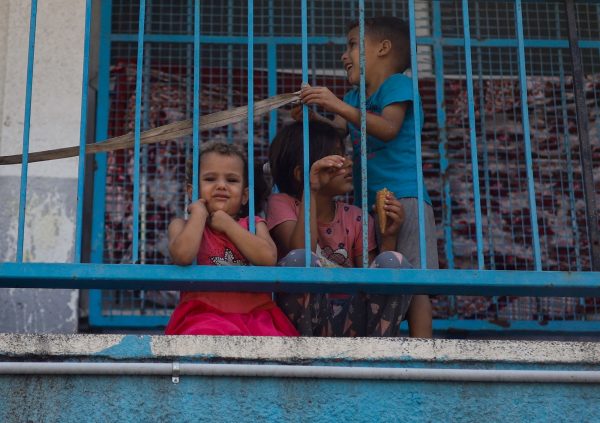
column 477, row 325
column 445, row 41
column 299, row 371
column 277, row 279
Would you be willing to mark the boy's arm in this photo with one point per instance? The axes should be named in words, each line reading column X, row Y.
column 185, row 235
column 384, row 127
column 259, row 249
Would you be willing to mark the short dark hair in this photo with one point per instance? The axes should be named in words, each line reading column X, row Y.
column 221, row 148
column 389, row 28
column 233, row 150
column 286, row 152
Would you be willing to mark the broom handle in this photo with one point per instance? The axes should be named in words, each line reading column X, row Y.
column 162, row 133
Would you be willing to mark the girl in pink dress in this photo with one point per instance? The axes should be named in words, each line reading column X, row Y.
column 216, row 234
column 336, row 235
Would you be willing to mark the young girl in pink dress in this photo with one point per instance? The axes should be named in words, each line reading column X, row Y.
column 336, row 236
column 216, row 234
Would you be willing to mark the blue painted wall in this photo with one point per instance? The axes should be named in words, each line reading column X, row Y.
column 242, row 399
column 43, row 398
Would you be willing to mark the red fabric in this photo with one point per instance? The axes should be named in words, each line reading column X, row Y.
column 198, row 318
column 218, row 250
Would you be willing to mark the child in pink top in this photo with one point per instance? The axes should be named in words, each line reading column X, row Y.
column 216, row 235
column 336, row 236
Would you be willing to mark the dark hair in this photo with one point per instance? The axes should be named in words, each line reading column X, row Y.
column 225, row 149
column 286, row 152
column 381, row 28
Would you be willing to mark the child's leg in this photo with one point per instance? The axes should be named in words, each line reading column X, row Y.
column 419, row 314
column 307, row 312
column 385, row 312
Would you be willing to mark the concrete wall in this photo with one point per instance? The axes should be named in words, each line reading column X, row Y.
column 221, row 398
column 52, row 186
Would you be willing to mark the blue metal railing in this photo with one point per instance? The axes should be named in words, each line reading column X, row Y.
column 460, row 282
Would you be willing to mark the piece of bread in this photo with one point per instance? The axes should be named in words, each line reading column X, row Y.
column 379, row 207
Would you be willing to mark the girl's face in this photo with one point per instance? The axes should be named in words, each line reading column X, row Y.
column 222, row 183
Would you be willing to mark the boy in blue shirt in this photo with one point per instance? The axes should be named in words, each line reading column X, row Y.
column 391, row 156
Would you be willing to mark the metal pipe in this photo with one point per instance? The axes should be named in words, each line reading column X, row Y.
column 591, row 209
column 295, row 371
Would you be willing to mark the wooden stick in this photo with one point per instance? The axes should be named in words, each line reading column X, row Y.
column 162, row 133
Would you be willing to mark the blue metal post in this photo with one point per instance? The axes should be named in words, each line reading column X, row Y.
column 26, row 126
column 484, row 143
column 307, row 240
column 527, row 137
column 196, row 116
column 137, row 132
column 567, row 150
column 417, row 115
column 363, row 134
column 438, row 55
column 251, row 113
column 473, row 134
column 230, row 67
column 272, row 73
column 102, row 113
column 82, row 132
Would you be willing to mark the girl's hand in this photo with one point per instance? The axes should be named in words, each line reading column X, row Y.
column 321, row 96
column 395, row 216
column 220, row 221
column 323, row 170
column 198, row 208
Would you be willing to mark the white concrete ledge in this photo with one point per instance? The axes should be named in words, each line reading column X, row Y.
column 295, row 350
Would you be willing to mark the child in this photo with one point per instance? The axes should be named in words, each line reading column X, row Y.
column 216, row 234
column 391, row 137
column 336, row 235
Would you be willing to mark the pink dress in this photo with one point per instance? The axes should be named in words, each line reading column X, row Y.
column 227, row 313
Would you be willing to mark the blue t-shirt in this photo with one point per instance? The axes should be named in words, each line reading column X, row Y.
column 390, row 164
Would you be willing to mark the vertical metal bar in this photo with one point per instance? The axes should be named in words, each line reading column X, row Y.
column 229, row 67
column 82, row 131
column 584, row 138
column 472, row 134
column 527, row 136
column 484, row 142
column 137, row 133
column 102, row 113
column 26, row 126
column 196, row 105
column 306, row 155
column 567, row 149
column 145, row 118
column 363, row 134
column 438, row 55
column 251, row 112
column 417, row 114
column 272, row 72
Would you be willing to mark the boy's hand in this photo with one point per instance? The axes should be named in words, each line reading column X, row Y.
column 198, row 208
column 220, row 220
column 321, row 96
column 395, row 216
column 323, row 170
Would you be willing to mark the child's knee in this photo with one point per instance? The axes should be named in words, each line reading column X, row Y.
column 297, row 258
column 391, row 260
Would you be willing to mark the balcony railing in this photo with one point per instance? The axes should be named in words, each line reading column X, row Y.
column 508, row 149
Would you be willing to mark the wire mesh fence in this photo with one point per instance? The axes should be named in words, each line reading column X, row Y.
column 167, row 97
